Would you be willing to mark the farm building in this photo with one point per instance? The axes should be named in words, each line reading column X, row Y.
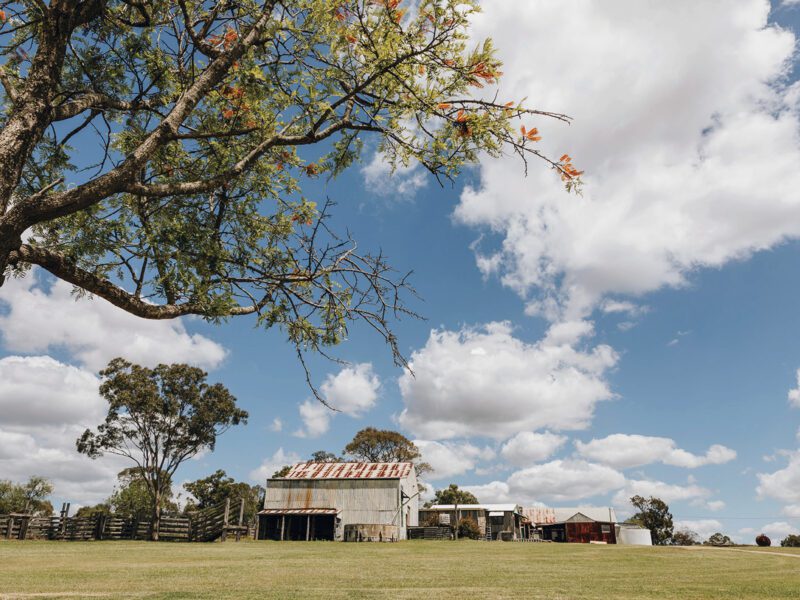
column 578, row 525
column 496, row 521
column 341, row 501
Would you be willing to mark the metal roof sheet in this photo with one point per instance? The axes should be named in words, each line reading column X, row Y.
column 312, row 470
column 298, row 511
column 542, row 515
column 487, row 507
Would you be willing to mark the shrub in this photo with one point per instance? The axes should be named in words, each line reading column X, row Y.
column 791, row 541
column 467, row 527
column 763, row 540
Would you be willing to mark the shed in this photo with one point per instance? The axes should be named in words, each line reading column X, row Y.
column 580, row 525
column 495, row 521
column 336, row 501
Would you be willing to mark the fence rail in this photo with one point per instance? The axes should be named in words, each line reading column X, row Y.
column 204, row 525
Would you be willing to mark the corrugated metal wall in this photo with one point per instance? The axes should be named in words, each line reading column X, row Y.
column 367, row 501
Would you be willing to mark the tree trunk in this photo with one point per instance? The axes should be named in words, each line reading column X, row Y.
column 155, row 522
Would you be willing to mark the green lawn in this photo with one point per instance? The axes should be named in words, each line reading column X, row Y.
column 418, row 569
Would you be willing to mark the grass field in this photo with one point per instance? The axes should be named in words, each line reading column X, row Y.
column 415, row 569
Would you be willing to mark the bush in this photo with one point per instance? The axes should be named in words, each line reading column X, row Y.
column 763, row 540
column 791, row 541
column 468, row 528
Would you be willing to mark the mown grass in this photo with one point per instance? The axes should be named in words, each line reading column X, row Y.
column 403, row 570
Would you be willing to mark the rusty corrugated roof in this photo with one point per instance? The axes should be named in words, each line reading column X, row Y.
column 312, row 470
column 298, row 511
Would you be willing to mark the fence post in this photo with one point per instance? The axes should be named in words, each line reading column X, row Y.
column 241, row 519
column 225, row 519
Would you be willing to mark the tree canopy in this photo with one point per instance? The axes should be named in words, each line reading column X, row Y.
column 654, row 515
column 214, row 489
column 453, row 495
column 158, row 418
column 157, row 154
column 29, row 497
column 383, row 445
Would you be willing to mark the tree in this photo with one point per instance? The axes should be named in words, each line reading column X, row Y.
column 214, row 489
column 685, row 537
column 132, row 498
column 791, row 541
column 654, row 515
column 283, row 471
column 158, row 418
column 718, row 539
column 28, row 498
column 150, row 152
column 322, row 456
column 453, row 495
column 763, row 540
column 383, row 445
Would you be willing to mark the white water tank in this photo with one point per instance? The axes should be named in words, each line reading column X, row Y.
column 631, row 535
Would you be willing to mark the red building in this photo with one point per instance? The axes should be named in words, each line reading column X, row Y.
column 576, row 525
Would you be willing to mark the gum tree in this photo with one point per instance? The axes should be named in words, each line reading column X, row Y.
column 156, row 153
column 159, row 418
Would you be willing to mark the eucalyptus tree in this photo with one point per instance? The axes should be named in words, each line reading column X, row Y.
column 159, row 418
column 157, row 153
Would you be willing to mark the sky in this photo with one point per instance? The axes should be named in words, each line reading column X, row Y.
column 640, row 338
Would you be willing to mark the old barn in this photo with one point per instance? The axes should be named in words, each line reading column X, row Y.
column 495, row 521
column 577, row 525
column 341, row 501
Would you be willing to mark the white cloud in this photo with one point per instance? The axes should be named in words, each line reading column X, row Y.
column 527, row 447
column 715, row 505
column 779, row 530
column 562, row 480
column 45, row 406
column 674, row 180
column 704, row 528
column 273, row 463
column 783, row 484
column 276, row 425
column 792, row 511
column 493, row 492
column 352, row 391
column 93, row 330
column 624, row 451
column 449, row 458
column 484, row 381
column 404, row 182
column 794, row 394
column 668, row 492
column 316, row 419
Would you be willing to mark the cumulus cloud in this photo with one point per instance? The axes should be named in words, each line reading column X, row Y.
column 624, row 451
column 668, row 492
column 562, row 480
column 45, row 406
column 673, row 179
column 449, row 458
column 783, row 484
column 38, row 318
column 352, row 391
column 484, row 381
column 780, row 529
column 794, row 394
column 404, row 182
column 269, row 465
column 528, row 447
column 704, row 528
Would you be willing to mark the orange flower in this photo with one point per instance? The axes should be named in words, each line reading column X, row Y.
column 461, row 116
column 229, row 114
column 230, row 38
column 2, row 16
column 443, row 105
column 351, row 38
column 508, row 104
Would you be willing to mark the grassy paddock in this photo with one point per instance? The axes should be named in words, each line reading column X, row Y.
column 415, row 569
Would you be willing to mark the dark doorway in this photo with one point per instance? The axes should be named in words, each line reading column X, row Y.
column 296, row 527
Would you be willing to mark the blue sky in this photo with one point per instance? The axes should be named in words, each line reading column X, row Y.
column 641, row 338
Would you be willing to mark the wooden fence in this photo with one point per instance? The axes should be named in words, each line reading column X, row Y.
column 204, row 525
column 430, row 533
